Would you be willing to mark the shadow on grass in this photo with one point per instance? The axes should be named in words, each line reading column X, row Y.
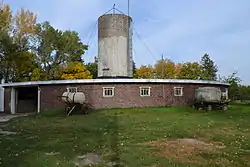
column 71, row 136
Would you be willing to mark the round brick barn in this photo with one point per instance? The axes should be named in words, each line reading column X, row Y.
column 103, row 93
column 114, row 87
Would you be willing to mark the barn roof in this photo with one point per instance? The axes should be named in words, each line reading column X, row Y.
column 110, row 81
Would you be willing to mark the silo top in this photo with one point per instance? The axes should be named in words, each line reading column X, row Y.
column 113, row 25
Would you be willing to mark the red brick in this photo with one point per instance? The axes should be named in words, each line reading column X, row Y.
column 126, row 95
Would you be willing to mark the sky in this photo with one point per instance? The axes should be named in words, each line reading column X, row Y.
column 179, row 30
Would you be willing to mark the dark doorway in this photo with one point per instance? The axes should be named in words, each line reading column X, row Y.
column 27, row 99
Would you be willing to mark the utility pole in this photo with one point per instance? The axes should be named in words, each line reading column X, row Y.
column 128, row 7
column 162, row 66
column 114, row 9
column 163, row 86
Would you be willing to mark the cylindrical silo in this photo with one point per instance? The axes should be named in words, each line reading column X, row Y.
column 115, row 46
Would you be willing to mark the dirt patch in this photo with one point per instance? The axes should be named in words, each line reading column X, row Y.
column 4, row 119
column 187, row 150
column 227, row 131
column 223, row 162
column 7, row 132
column 88, row 159
column 52, row 153
column 92, row 159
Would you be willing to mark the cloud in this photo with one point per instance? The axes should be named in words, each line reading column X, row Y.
column 213, row 27
column 181, row 30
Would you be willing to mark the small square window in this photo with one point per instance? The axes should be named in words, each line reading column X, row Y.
column 108, row 91
column 72, row 89
column 144, row 91
column 178, row 91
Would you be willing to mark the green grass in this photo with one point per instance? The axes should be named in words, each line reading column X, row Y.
column 120, row 135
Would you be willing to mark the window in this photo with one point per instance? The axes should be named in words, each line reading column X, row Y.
column 144, row 91
column 71, row 89
column 108, row 91
column 178, row 91
column 225, row 93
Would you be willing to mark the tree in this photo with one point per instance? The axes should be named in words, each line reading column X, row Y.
column 93, row 68
column 178, row 70
column 24, row 27
column 165, row 69
column 76, row 70
column 31, row 51
column 5, row 41
column 55, row 49
column 234, row 82
column 25, row 64
column 244, row 92
column 14, row 32
column 134, row 69
column 25, row 22
column 5, row 18
column 9, row 52
column 144, row 72
column 209, row 69
column 37, row 74
column 190, row 70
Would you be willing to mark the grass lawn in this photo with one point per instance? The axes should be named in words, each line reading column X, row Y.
column 148, row 137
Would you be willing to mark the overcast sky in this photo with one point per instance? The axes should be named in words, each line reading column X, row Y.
column 181, row 30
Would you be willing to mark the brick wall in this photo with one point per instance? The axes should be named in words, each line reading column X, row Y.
column 126, row 95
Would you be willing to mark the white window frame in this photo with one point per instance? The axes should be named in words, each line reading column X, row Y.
column 226, row 93
column 111, row 88
column 145, row 87
column 69, row 89
column 178, row 88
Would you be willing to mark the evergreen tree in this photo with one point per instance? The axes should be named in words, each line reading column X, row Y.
column 209, row 69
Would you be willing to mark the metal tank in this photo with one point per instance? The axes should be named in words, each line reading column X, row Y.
column 211, row 98
column 73, row 97
column 208, row 95
column 115, row 46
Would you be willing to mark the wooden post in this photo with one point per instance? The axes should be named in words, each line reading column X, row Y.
column 38, row 100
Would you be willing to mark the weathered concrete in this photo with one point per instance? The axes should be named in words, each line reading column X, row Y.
column 113, row 55
column 115, row 46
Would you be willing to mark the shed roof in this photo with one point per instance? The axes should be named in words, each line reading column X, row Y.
column 102, row 81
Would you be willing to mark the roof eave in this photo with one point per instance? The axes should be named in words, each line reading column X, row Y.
column 102, row 81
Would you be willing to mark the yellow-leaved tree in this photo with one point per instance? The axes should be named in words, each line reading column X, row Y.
column 190, row 70
column 144, row 72
column 25, row 23
column 36, row 75
column 5, row 17
column 75, row 70
column 178, row 70
column 165, row 69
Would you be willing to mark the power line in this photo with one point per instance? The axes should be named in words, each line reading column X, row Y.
column 119, row 11
column 146, row 53
column 92, row 46
column 93, row 32
column 146, row 46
